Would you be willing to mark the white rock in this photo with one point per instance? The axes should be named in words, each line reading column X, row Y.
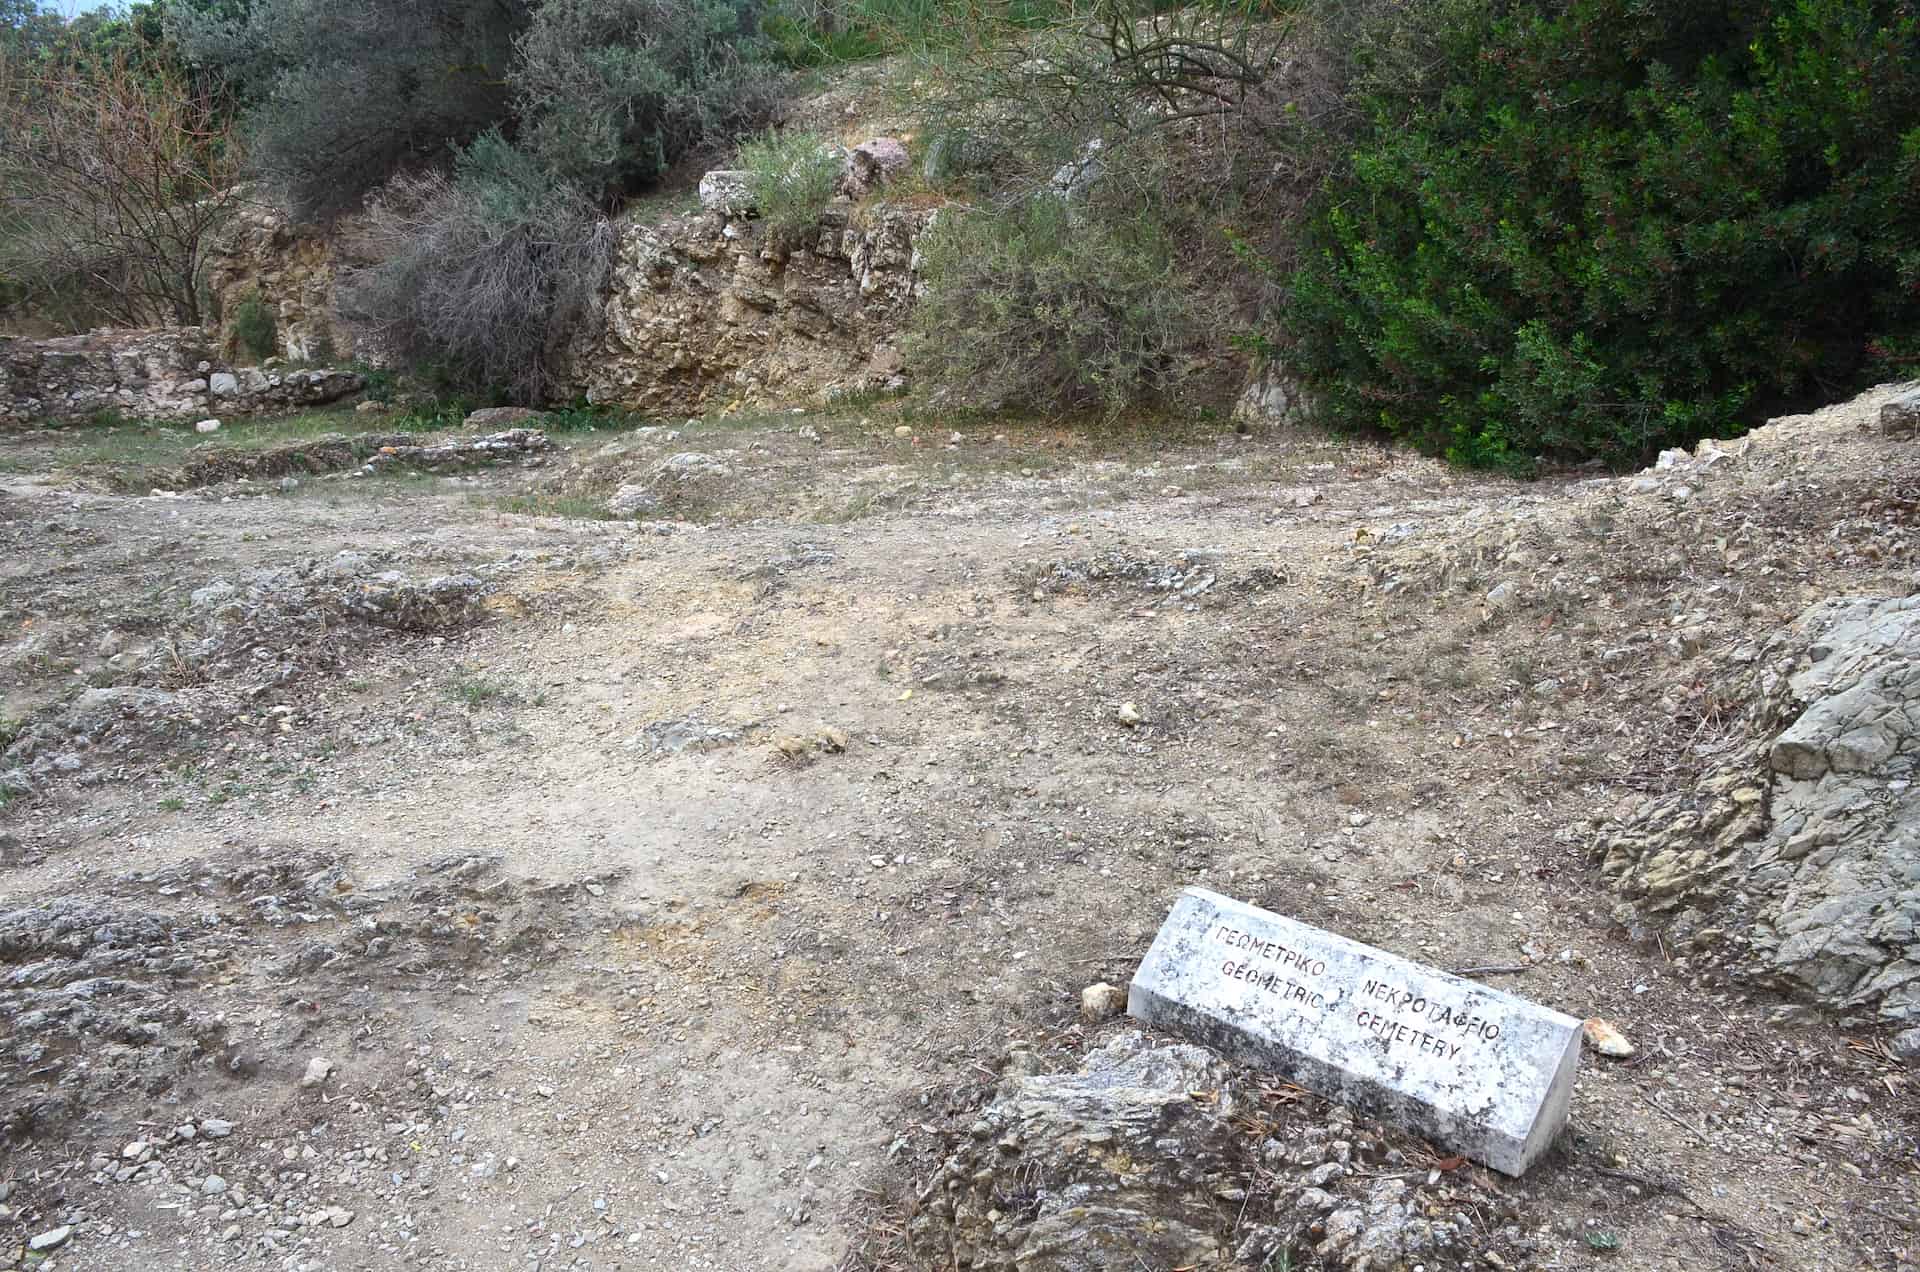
column 1605, row 1037
column 1502, row 595
column 213, row 1185
column 223, row 384
column 725, row 191
column 215, row 1128
column 51, row 1239
column 1102, row 1001
column 207, row 426
column 319, row 1069
column 1128, row 714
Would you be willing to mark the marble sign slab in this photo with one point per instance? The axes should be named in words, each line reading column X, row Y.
column 1477, row 1071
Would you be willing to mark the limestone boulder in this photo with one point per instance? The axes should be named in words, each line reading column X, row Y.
column 1079, row 1171
column 871, row 165
column 1797, row 864
column 263, row 257
column 726, row 191
column 699, row 315
column 1271, row 398
column 1901, row 416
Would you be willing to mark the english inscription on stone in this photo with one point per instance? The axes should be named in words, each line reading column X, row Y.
column 1476, row 1071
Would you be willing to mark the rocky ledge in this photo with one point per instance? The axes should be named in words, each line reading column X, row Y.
column 1796, row 864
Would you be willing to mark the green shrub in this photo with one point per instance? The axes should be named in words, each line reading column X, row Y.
column 791, row 179
column 481, row 276
column 1052, row 307
column 382, row 384
column 611, row 93
column 605, row 94
column 253, row 326
column 1611, row 225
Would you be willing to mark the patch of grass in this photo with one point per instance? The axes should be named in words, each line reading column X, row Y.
column 473, row 689
column 577, row 507
column 135, row 448
column 593, row 419
column 172, row 804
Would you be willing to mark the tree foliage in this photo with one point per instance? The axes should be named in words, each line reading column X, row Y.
column 345, row 93
column 1601, row 226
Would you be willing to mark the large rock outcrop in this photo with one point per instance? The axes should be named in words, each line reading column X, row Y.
column 291, row 270
column 1796, row 864
column 703, row 313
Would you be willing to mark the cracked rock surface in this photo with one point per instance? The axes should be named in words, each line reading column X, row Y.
column 1798, row 863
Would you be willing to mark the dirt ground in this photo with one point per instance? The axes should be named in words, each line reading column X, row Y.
column 675, row 907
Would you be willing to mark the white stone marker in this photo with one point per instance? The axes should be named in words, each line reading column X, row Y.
column 1477, row 1071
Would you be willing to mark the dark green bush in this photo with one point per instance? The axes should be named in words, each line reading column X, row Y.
column 348, row 92
column 481, row 276
column 1044, row 306
column 610, row 93
column 254, row 327
column 1609, row 225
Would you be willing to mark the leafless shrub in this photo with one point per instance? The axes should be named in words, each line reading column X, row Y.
column 113, row 183
column 480, row 276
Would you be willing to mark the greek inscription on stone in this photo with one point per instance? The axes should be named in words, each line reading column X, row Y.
column 1433, row 1015
column 1272, row 951
column 1474, row 1069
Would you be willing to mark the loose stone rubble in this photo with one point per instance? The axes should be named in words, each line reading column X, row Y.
column 1795, row 864
column 162, row 373
column 513, row 443
column 1140, row 1158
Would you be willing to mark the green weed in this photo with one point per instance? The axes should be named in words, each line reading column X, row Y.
column 472, row 689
